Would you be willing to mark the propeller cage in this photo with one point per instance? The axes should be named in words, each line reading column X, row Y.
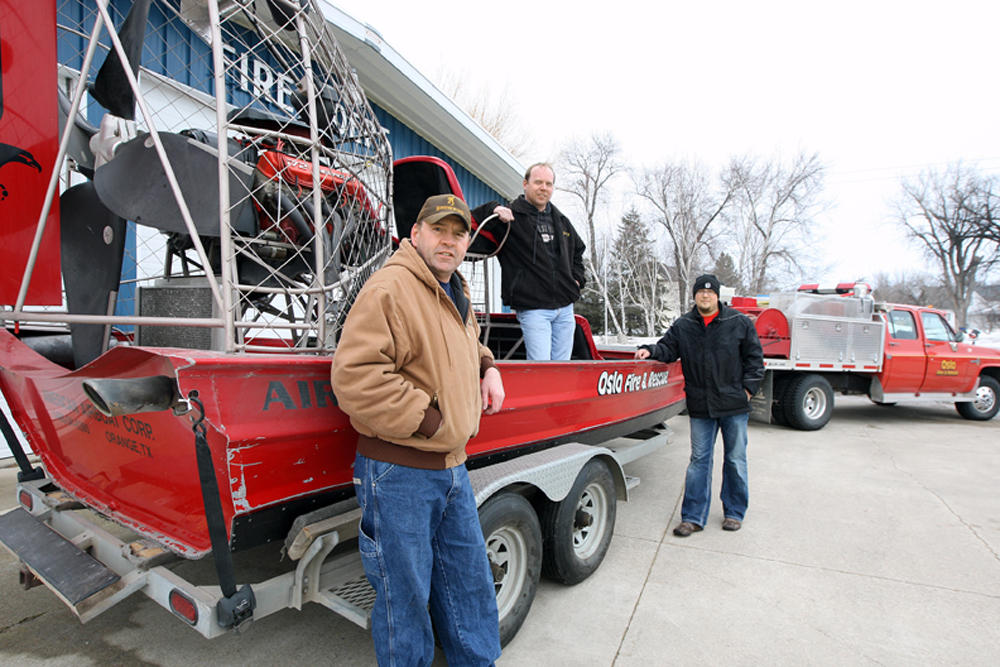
column 280, row 204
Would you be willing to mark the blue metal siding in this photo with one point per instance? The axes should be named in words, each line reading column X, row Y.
column 405, row 142
column 178, row 54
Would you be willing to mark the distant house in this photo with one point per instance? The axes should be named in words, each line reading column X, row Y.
column 984, row 308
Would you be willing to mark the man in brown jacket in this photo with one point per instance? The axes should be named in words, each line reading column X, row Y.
column 412, row 375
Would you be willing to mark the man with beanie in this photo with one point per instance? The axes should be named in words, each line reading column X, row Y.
column 723, row 367
column 412, row 375
column 541, row 266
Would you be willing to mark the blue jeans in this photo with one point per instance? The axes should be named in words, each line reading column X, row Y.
column 548, row 333
column 698, row 482
column 421, row 544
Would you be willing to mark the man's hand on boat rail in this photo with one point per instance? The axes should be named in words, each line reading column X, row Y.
column 504, row 213
column 492, row 391
column 642, row 353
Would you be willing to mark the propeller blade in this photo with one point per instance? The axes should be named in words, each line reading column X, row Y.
column 93, row 245
column 111, row 88
column 134, row 185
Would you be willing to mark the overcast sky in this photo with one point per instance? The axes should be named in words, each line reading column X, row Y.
column 879, row 89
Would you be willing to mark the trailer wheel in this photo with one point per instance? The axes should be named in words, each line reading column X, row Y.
column 986, row 403
column 514, row 547
column 809, row 402
column 578, row 530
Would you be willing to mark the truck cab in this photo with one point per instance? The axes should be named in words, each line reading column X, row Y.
column 923, row 353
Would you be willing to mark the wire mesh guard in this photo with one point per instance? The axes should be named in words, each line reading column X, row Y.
column 281, row 204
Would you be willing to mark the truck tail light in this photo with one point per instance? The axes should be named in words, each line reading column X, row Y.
column 183, row 606
column 26, row 499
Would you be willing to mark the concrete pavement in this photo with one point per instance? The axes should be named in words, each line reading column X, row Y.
column 873, row 541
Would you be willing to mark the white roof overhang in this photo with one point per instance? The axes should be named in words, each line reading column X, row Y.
column 394, row 84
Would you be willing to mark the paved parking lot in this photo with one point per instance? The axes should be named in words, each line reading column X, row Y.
column 873, row 541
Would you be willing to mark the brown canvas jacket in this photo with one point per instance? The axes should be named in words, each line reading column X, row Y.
column 403, row 345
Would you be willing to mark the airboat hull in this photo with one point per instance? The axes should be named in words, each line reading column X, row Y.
column 279, row 444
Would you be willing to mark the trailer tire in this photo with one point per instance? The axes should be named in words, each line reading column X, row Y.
column 514, row 547
column 577, row 530
column 809, row 402
column 986, row 403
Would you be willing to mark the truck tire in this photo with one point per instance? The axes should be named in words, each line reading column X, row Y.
column 986, row 403
column 514, row 547
column 577, row 530
column 808, row 402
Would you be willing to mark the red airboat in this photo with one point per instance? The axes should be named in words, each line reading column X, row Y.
column 204, row 421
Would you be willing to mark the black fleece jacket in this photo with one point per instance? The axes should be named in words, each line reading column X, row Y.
column 719, row 361
column 529, row 276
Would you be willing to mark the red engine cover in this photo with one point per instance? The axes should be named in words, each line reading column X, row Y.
column 298, row 174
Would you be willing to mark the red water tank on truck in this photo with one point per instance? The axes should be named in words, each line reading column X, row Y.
column 817, row 341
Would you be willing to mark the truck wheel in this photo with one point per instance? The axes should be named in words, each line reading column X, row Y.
column 578, row 530
column 514, row 546
column 986, row 403
column 809, row 402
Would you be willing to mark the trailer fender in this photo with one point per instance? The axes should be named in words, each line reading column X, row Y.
column 553, row 471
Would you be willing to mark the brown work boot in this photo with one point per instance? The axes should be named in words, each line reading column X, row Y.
column 731, row 524
column 685, row 528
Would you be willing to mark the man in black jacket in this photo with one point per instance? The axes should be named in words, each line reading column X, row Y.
column 723, row 367
column 541, row 264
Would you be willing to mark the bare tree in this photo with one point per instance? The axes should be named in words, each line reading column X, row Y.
column 908, row 287
column 490, row 107
column 946, row 211
column 987, row 217
column 585, row 169
column 687, row 207
column 772, row 207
